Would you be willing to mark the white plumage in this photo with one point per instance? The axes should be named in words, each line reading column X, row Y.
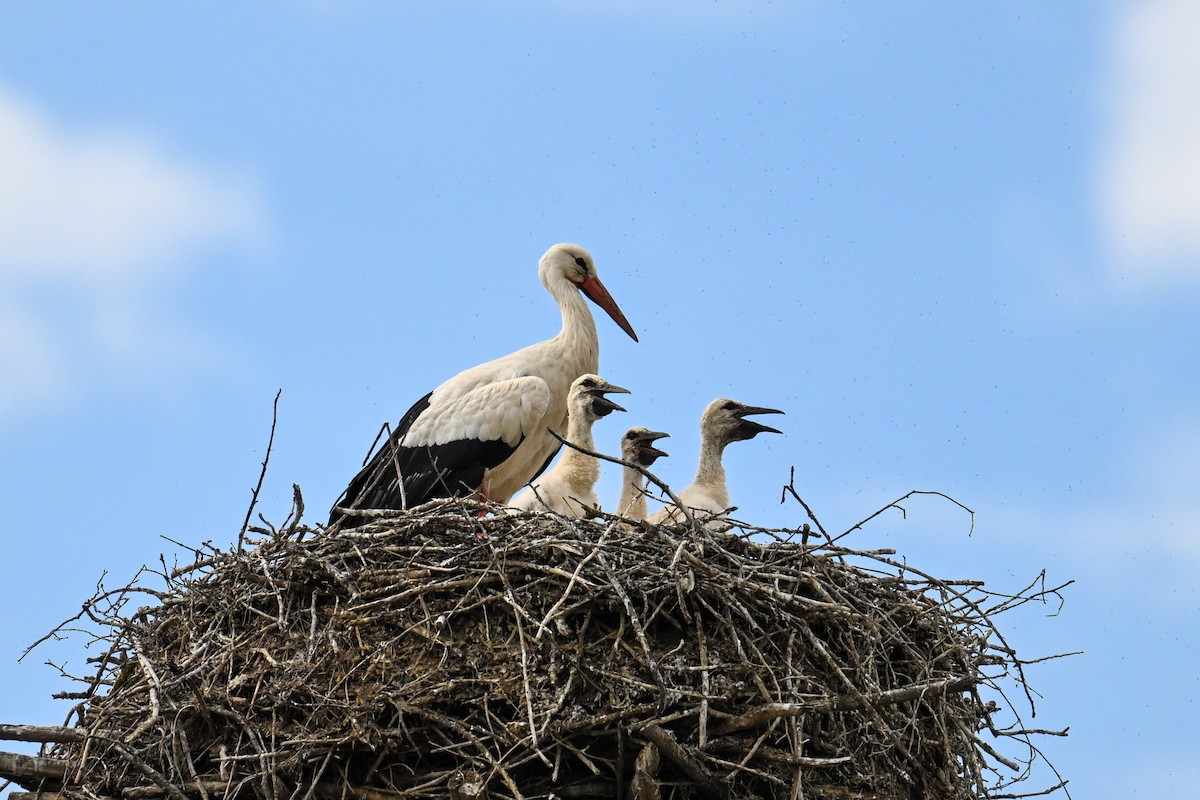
column 508, row 410
column 722, row 422
column 485, row 432
column 569, row 487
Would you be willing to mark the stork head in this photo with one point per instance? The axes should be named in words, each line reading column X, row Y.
column 725, row 420
column 637, row 446
column 572, row 262
column 587, row 397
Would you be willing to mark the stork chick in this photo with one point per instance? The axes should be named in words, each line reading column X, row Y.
column 723, row 421
column 637, row 447
column 569, row 487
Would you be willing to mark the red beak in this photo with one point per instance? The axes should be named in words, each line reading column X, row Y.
column 595, row 291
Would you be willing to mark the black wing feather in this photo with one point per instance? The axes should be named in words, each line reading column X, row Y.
column 453, row 469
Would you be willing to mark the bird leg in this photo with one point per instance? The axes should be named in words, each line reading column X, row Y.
column 483, row 498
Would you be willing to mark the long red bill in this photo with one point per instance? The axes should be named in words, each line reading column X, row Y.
column 595, row 291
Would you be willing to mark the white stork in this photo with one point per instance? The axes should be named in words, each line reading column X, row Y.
column 722, row 422
column 637, row 447
column 485, row 432
column 569, row 487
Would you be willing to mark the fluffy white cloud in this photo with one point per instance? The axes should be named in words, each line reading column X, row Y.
column 104, row 205
column 94, row 226
column 1150, row 172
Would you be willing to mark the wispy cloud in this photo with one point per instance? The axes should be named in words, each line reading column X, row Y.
column 94, row 227
column 1145, row 532
column 105, row 205
column 1150, row 169
column 30, row 363
column 674, row 13
column 1154, row 515
column 1163, row 475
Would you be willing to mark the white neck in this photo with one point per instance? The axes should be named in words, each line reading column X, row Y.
column 711, row 472
column 578, row 334
column 633, row 498
column 580, row 471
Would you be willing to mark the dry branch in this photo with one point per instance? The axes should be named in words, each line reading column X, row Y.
column 40, row 733
column 30, row 770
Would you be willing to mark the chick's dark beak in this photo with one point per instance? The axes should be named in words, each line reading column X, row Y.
column 647, row 452
column 748, row 428
column 601, row 405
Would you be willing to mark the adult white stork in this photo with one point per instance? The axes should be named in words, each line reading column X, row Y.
column 637, row 447
column 485, row 432
column 569, row 487
column 722, row 422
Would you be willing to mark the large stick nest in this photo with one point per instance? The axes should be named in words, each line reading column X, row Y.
column 438, row 653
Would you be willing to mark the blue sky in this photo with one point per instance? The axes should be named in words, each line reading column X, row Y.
column 958, row 244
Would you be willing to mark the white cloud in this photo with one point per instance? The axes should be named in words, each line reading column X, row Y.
column 1150, row 173
column 32, row 368
column 95, row 227
column 104, row 205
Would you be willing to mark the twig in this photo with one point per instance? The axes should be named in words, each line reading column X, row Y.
column 896, row 505
column 790, row 488
column 262, row 474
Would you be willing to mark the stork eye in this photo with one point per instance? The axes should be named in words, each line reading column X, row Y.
column 589, row 383
column 582, row 264
column 729, row 406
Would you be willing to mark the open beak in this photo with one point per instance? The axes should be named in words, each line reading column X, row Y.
column 748, row 427
column 601, row 405
column 595, row 291
column 647, row 452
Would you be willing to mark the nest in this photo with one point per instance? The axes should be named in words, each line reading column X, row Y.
column 438, row 653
